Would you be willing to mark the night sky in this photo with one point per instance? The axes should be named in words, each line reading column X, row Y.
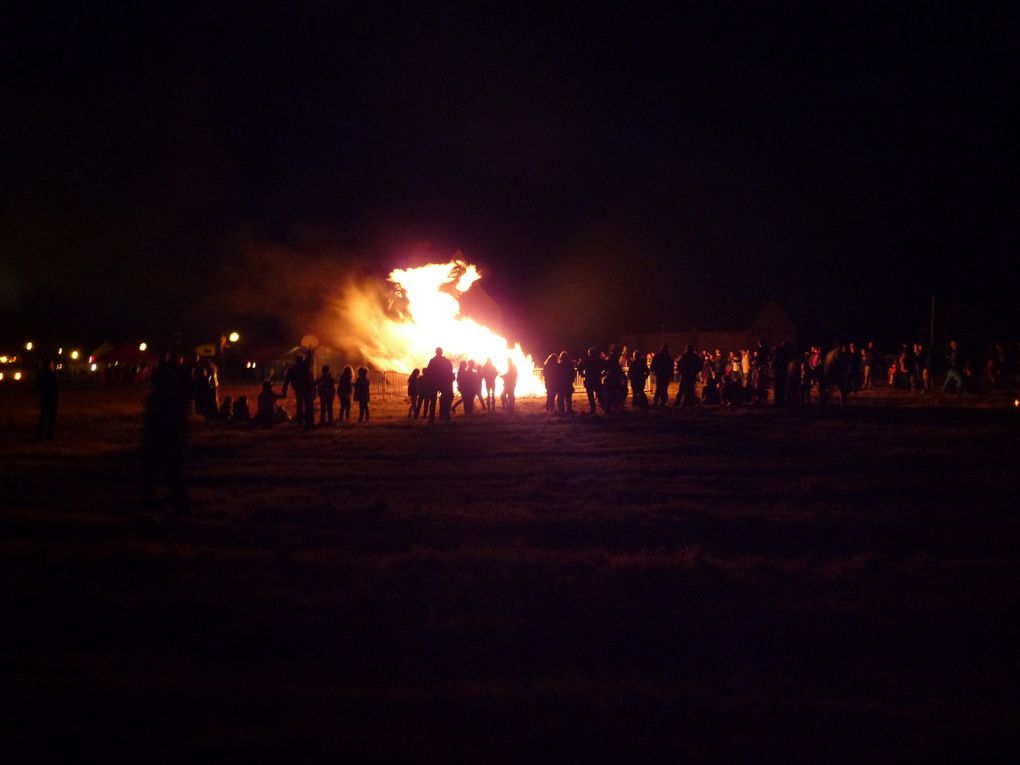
column 610, row 170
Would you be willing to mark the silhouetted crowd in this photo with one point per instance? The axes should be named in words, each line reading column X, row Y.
column 776, row 375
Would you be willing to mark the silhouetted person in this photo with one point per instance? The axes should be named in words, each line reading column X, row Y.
column 565, row 384
column 687, row 368
column 299, row 377
column 241, row 414
column 413, row 393
column 591, row 369
column 361, row 393
column 780, row 373
column 662, row 370
column 614, row 384
column 835, row 374
column 47, row 386
column 955, row 368
column 489, row 374
column 440, row 373
column 508, row 396
column 551, row 378
column 345, row 390
column 475, row 377
column 637, row 373
column 427, row 396
column 267, row 405
column 165, row 433
column 326, row 388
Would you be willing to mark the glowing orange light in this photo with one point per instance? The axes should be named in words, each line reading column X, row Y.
column 430, row 317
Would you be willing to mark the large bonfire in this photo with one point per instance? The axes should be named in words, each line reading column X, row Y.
column 421, row 310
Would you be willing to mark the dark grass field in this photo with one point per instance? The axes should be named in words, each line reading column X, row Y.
column 706, row 585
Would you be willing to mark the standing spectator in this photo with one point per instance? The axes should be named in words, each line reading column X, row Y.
column 565, row 392
column 687, row 368
column 345, row 389
column 165, row 433
column 662, row 370
column 440, row 374
column 637, row 372
column 551, row 378
column 508, row 396
column 489, row 374
column 361, row 393
column 413, row 393
column 48, row 389
column 326, row 388
column 591, row 369
column 299, row 377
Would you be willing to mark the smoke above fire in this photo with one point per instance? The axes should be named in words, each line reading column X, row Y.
column 398, row 325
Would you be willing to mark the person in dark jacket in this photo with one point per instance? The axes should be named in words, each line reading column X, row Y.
column 326, row 388
column 637, row 373
column 551, row 378
column 46, row 383
column 413, row 393
column 440, row 374
column 662, row 370
column 361, row 393
column 591, row 369
column 164, row 435
column 299, row 377
column 489, row 374
column 266, row 410
column 688, row 366
column 345, row 390
column 508, row 396
column 565, row 384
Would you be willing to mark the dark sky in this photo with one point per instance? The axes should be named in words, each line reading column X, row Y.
column 611, row 170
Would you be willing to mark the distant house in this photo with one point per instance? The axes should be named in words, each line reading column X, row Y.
column 772, row 325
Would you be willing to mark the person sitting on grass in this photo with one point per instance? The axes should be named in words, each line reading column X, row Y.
column 241, row 414
column 361, row 394
column 267, row 405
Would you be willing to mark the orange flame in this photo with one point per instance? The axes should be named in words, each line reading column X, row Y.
column 427, row 314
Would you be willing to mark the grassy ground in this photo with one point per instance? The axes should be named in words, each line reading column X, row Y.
column 701, row 585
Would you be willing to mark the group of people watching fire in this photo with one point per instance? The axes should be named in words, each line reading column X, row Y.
column 766, row 374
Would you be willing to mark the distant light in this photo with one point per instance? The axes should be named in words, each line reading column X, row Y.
column 17, row 375
column 28, row 345
column 234, row 337
column 74, row 355
column 94, row 367
column 142, row 347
